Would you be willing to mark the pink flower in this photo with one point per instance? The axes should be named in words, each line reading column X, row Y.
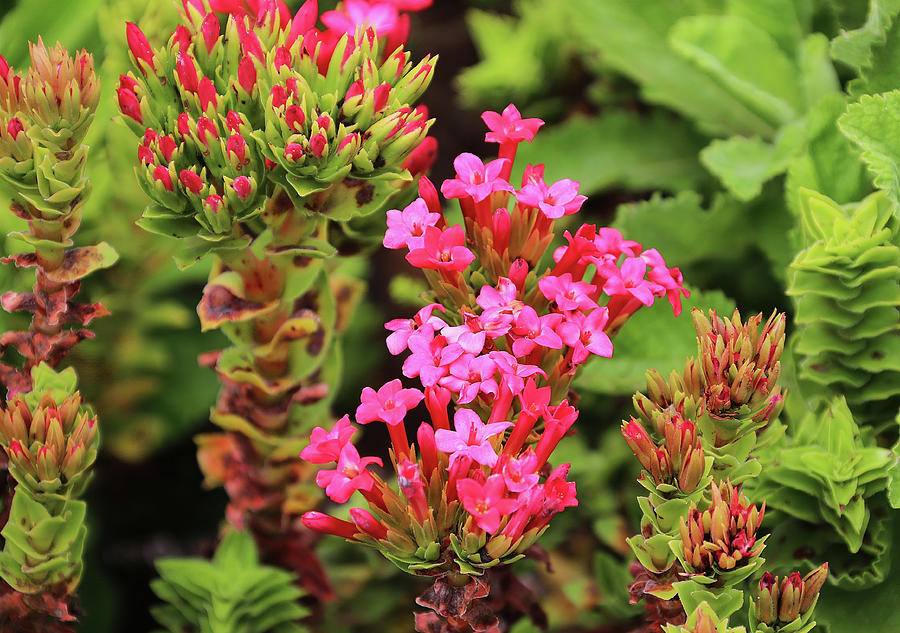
column 325, row 446
column 628, row 280
column 509, row 126
column 442, row 250
column 410, row 5
column 382, row 16
column 487, row 503
column 568, row 294
column 471, row 341
column 430, row 357
column 513, row 373
column 471, row 438
column 520, row 473
column 585, row 335
column 557, row 422
column 475, row 179
column 470, row 376
column 405, row 228
column 559, row 199
column 530, row 330
column 610, row 242
column 404, row 328
column 503, row 297
column 390, row 404
column 349, row 476
column 559, row 494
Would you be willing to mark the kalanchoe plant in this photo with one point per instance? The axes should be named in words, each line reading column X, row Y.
column 787, row 607
column 500, row 344
column 49, row 437
column 700, row 537
column 262, row 138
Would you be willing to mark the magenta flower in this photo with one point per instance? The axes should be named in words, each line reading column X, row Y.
column 405, row 228
column 404, row 328
column 474, row 179
column 471, row 438
column 325, row 446
column 501, row 298
column 442, row 250
column 568, row 294
column 472, row 342
column 429, row 358
column 382, row 16
column 471, row 375
column 610, row 242
column 349, row 476
column 520, row 474
column 509, row 126
column 559, row 494
column 390, row 404
column 585, row 335
column 629, row 280
column 559, row 199
column 487, row 503
column 513, row 373
column 531, row 330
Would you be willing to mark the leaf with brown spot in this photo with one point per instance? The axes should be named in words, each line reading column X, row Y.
column 219, row 306
column 78, row 263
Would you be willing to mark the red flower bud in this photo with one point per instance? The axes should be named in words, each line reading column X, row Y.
column 214, row 202
column 249, row 42
column 279, row 96
column 247, row 75
column 167, row 147
column 356, row 89
column 382, row 93
column 129, row 104
column 317, row 144
column 207, row 93
column 368, row 523
column 127, row 83
column 303, row 21
column 187, row 72
column 161, row 174
column 145, row 155
column 14, row 127
column 242, row 187
column 270, row 165
column 294, row 118
column 4, row 68
column 233, row 121
column 282, row 58
column 191, row 181
column 182, row 37
column 150, row 136
column 206, row 126
column 347, row 140
column 293, row 152
column 139, row 45
column 184, row 124
column 15, row 447
column 210, row 31
column 238, row 146
column 326, row 524
column 324, row 122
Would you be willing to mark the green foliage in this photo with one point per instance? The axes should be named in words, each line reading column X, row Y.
column 233, row 593
column 874, row 124
column 828, row 473
column 847, row 297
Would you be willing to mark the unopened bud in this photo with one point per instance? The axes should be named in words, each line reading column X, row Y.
column 767, row 599
column 243, row 187
column 812, row 584
column 207, row 94
column 161, row 174
column 318, row 145
column 191, row 181
column 789, row 600
column 210, row 29
column 294, row 118
column 293, row 152
column 140, row 47
column 247, row 75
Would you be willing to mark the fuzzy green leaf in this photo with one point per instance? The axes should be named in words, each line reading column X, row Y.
column 874, row 124
column 854, row 47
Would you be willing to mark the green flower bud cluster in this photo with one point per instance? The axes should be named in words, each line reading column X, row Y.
column 846, row 289
column 233, row 592
column 51, row 441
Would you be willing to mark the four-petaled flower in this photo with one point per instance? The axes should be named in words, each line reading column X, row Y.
column 405, row 228
column 471, row 438
column 325, row 446
column 559, row 199
column 349, row 476
column 509, row 126
column 442, row 250
column 474, row 179
column 566, row 293
column 390, row 404
column 486, row 502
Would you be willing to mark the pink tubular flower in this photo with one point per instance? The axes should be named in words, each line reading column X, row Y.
column 360, row 13
column 520, row 474
column 509, row 126
column 585, row 335
column 325, row 446
column 475, row 179
column 568, row 294
column 470, row 376
column 487, row 503
column 430, row 357
column 531, row 330
column 471, row 438
column 405, row 228
column 559, row 199
column 512, row 372
column 349, row 476
column 629, row 280
column 402, row 329
column 442, row 250
column 390, row 404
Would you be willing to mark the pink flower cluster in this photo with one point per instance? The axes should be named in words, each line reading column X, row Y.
column 489, row 468
column 523, row 323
